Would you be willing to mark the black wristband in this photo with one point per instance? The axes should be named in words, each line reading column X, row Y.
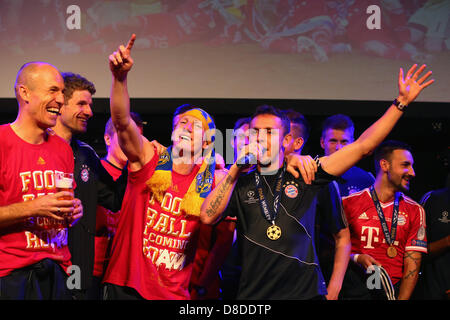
column 399, row 105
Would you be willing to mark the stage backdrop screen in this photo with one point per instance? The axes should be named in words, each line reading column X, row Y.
column 277, row 49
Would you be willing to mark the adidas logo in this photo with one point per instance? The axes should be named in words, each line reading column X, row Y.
column 363, row 216
column 40, row 161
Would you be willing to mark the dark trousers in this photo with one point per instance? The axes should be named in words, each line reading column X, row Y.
column 354, row 286
column 115, row 292
column 95, row 291
column 44, row 280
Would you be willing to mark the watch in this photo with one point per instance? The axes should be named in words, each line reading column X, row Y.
column 400, row 106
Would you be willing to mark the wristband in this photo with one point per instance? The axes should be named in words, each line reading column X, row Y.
column 400, row 106
column 355, row 257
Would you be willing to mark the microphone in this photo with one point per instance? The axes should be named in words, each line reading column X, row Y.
column 248, row 159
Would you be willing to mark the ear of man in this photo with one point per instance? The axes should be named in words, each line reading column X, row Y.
column 287, row 140
column 384, row 165
column 107, row 139
column 24, row 93
column 298, row 143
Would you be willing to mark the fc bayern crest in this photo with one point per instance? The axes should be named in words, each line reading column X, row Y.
column 291, row 191
column 401, row 219
column 84, row 174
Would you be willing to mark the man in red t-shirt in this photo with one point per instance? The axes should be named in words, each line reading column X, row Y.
column 387, row 227
column 33, row 218
column 155, row 241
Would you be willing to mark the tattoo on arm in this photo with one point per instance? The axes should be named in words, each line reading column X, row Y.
column 223, row 188
column 416, row 259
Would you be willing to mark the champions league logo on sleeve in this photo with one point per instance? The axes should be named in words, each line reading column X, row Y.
column 420, row 241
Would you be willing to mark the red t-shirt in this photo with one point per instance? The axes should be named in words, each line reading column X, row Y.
column 105, row 229
column 367, row 235
column 154, row 246
column 26, row 172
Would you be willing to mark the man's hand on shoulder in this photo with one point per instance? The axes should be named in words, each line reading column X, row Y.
column 303, row 164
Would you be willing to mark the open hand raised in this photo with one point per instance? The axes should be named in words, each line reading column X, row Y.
column 410, row 87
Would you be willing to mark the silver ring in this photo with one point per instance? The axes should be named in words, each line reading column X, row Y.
column 59, row 211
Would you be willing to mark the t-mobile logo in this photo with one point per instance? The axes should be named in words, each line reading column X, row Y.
column 370, row 236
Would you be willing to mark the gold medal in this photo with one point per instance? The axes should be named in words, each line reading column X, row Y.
column 391, row 252
column 274, row 232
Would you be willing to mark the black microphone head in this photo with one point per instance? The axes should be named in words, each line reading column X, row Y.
column 248, row 159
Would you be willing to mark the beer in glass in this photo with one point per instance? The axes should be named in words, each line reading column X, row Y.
column 64, row 182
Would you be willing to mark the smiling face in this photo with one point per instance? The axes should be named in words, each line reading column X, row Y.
column 41, row 95
column 77, row 111
column 399, row 169
column 187, row 135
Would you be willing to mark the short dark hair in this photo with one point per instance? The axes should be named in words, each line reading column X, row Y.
column 338, row 122
column 385, row 149
column 109, row 127
column 240, row 122
column 74, row 82
column 267, row 109
column 301, row 125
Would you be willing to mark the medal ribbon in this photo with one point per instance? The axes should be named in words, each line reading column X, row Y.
column 389, row 236
column 270, row 213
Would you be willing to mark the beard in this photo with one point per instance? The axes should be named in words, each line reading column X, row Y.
column 403, row 188
column 399, row 183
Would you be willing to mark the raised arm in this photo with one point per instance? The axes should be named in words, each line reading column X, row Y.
column 409, row 88
column 133, row 145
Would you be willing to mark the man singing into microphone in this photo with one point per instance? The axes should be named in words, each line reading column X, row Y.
column 276, row 211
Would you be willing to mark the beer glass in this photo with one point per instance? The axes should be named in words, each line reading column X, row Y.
column 64, row 182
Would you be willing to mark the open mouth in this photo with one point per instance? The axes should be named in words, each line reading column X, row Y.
column 407, row 178
column 54, row 110
column 185, row 138
column 407, row 181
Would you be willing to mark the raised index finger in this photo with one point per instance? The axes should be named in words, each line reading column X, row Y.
column 131, row 42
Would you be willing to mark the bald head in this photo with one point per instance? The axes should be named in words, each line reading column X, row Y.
column 30, row 74
column 39, row 90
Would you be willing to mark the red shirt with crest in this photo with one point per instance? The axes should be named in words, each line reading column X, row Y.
column 367, row 235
